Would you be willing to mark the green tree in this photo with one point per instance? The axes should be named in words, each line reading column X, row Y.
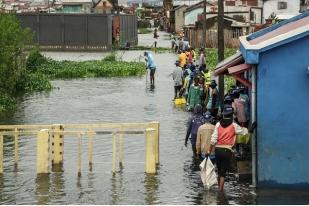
column 13, row 40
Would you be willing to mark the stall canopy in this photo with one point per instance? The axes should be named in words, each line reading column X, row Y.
column 234, row 66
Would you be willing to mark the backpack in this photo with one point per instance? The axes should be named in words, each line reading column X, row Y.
column 197, row 121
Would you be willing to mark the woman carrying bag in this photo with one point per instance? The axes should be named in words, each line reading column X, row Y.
column 223, row 139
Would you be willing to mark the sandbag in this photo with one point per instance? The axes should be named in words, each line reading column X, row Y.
column 208, row 173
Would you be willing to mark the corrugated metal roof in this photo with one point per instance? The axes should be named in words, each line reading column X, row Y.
column 227, row 60
column 233, row 60
column 278, row 34
column 281, row 30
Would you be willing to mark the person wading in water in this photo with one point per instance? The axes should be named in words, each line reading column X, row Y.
column 223, row 139
column 150, row 64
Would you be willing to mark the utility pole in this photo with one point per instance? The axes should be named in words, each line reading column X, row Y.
column 221, row 45
column 204, row 25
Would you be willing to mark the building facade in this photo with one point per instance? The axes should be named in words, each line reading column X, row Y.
column 283, row 9
column 273, row 63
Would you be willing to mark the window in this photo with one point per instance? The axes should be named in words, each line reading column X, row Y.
column 282, row 5
column 252, row 16
column 237, row 32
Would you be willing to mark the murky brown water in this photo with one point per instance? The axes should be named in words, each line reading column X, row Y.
column 114, row 100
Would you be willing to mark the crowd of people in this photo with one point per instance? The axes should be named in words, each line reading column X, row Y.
column 212, row 134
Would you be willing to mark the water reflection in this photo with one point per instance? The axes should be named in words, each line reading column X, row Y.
column 57, row 184
column 150, row 88
column 222, row 198
column 117, row 187
column 151, row 184
column 42, row 189
column 1, row 188
column 79, row 187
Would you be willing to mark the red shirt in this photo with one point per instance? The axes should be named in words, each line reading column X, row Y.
column 226, row 136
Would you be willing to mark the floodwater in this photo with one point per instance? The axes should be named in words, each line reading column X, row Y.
column 111, row 100
column 96, row 100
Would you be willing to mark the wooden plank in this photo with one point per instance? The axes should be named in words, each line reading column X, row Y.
column 42, row 156
column 57, row 144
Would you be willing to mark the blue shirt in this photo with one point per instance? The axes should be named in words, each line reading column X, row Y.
column 150, row 62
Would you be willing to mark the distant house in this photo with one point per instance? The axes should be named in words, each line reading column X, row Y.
column 248, row 11
column 233, row 29
column 191, row 13
column 103, row 7
column 273, row 63
column 282, row 9
column 177, row 19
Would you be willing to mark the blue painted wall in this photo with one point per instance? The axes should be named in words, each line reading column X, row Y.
column 283, row 115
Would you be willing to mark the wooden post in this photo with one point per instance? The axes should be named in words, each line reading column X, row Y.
column 57, row 144
column 221, row 45
column 42, row 157
column 1, row 154
column 156, row 126
column 16, row 148
column 79, row 159
column 114, row 152
column 90, row 149
column 150, row 151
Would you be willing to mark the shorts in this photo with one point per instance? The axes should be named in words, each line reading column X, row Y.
column 223, row 160
column 152, row 72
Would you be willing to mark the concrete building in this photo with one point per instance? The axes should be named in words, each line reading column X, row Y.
column 192, row 12
column 283, row 9
column 177, row 19
column 273, row 63
column 249, row 11
column 76, row 6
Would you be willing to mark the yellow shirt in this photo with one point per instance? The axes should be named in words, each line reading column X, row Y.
column 182, row 59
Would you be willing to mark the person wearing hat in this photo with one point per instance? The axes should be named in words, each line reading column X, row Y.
column 150, row 64
column 213, row 99
column 178, row 79
column 204, row 133
column 228, row 100
column 193, row 125
column 222, row 140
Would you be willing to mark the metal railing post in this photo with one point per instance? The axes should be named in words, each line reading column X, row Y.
column 120, row 140
column 79, row 159
column 42, row 157
column 114, row 152
column 150, row 151
column 57, row 144
column 90, row 149
column 16, row 157
column 156, row 126
column 1, row 154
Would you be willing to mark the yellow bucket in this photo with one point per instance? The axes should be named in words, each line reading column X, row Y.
column 179, row 101
column 183, row 100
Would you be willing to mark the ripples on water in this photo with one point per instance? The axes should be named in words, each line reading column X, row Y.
column 111, row 100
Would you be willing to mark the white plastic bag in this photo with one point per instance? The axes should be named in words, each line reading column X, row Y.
column 208, row 173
